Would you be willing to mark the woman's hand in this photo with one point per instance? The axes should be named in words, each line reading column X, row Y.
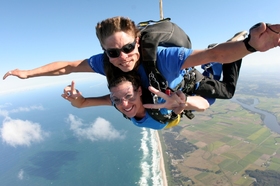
column 174, row 101
column 177, row 101
column 73, row 95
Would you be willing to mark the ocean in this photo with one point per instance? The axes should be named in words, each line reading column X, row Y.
column 46, row 141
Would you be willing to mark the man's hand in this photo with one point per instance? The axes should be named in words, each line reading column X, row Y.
column 264, row 36
column 22, row 74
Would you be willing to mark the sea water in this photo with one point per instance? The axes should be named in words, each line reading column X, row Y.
column 46, row 141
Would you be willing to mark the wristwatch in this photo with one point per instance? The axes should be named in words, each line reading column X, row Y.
column 247, row 45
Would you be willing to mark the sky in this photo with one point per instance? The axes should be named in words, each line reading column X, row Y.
column 34, row 33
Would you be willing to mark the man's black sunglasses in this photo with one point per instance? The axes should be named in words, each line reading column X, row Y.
column 115, row 52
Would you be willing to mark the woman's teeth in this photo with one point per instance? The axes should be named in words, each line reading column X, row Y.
column 129, row 109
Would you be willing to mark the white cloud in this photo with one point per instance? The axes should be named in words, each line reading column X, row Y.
column 20, row 174
column 17, row 132
column 101, row 129
column 27, row 109
column 4, row 113
column 5, row 105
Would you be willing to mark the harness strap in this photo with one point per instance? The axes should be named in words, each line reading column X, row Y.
column 188, row 85
column 162, row 118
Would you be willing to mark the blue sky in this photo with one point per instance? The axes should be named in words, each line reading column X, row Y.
column 34, row 33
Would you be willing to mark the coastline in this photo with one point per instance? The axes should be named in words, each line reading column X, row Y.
column 161, row 161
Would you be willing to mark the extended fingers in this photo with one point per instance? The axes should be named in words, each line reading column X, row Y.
column 72, row 87
column 7, row 74
column 174, row 100
column 154, row 106
column 181, row 95
column 158, row 93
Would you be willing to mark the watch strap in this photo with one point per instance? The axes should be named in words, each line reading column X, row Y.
column 247, row 45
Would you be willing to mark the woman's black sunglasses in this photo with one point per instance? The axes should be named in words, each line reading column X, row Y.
column 115, row 52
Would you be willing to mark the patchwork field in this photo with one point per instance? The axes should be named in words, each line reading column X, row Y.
column 228, row 140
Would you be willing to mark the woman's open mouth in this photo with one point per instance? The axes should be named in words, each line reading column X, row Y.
column 129, row 109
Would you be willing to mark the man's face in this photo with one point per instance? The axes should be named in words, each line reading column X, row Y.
column 122, row 50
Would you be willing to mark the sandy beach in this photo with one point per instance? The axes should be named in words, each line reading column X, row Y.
column 162, row 167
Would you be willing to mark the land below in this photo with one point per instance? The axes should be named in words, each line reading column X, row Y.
column 227, row 144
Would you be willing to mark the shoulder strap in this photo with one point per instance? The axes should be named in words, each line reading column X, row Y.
column 161, row 33
column 154, row 34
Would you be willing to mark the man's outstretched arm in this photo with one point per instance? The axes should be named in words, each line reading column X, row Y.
column 52, row 69
column 262, row 38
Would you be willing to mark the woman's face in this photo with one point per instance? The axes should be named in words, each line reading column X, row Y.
column 127, row 99
column 122, row 50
